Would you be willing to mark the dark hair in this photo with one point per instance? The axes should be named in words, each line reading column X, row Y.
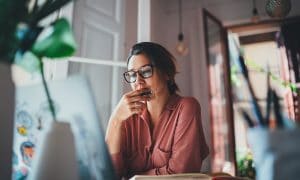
column 159, row 57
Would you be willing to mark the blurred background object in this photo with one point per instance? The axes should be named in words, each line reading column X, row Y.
column 278, row 8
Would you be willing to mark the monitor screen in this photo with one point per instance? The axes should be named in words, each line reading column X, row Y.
column 74, row 103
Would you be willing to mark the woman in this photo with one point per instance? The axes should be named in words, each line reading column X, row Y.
column 154, row 131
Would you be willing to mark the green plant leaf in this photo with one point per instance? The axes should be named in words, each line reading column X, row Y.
column 55, row 41
column 47, row 8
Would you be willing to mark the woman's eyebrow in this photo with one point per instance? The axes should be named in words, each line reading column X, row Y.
column 132, row 69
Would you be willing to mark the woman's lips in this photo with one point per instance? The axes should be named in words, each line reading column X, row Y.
column 146, row 92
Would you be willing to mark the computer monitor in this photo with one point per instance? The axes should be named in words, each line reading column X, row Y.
column 74, row 103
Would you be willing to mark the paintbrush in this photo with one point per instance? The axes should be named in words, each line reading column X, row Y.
column 269, row 97
column 255, row 106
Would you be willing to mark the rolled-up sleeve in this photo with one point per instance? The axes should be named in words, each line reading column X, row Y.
column 118, row 163
column 118, row 160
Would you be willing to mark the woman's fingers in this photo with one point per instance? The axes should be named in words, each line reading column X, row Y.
column 134, row 93
column 136, row 99
column 137, row 111
column 132, row 103
column 140, row 92
column 134, row 96
column 137, row 104
column 137, row 107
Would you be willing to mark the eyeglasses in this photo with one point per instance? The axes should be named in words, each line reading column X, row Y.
column 145, row 72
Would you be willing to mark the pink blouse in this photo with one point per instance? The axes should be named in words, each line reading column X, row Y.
column 175, row 145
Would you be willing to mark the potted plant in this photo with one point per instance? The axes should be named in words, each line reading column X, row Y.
column 20, row 34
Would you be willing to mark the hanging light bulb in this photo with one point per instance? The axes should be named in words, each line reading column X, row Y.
column 255, row 16
column 181, row 47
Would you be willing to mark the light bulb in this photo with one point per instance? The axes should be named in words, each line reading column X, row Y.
column 181, row 47
column 255, row 17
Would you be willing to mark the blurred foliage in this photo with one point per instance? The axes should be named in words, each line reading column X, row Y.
column 19, row 24
column 24, row 42
column 245, row 166
column 11, row 13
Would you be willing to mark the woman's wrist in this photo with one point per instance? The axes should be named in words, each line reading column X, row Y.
column 114, row 140
column 115, row 121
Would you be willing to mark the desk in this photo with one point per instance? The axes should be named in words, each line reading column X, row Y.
column 187, row 176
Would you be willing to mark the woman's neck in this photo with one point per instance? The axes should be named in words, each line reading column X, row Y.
column 157, row 105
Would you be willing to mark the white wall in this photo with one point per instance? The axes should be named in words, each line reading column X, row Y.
column 192, row 77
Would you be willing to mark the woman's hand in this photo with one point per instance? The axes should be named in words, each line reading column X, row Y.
column 131, row 103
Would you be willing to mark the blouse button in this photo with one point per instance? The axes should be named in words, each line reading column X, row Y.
column 151, row 149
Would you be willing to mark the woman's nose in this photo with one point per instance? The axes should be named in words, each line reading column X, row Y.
column 139, row 78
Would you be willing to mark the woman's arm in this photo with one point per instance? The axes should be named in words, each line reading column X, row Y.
column 113, row 140
column 189, row 148
column 130, row 104
column 113, row 135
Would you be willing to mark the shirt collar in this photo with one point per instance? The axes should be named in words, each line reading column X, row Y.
column 145, row 114
column 171, row 105
column 173, row 101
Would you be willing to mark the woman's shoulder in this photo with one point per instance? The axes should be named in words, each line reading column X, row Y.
column 189, row 101
column 188, row 104
column 188, row 107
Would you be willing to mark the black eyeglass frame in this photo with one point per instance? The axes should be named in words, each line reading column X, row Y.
column 139, row 72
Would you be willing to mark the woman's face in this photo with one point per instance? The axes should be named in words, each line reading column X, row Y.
column 157, row 82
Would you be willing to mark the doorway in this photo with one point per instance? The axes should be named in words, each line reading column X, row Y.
column 268, row 63
column 267, row 66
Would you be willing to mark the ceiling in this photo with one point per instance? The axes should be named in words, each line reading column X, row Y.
column 228, row 11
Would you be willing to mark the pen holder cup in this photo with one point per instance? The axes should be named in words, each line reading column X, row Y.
column 276, row 153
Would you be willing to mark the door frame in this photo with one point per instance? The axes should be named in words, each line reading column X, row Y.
column 227, row 86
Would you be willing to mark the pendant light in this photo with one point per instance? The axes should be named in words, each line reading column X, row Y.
column 181, row 47
column 255, row 16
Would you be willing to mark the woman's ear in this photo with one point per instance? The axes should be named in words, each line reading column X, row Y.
column 163, row 76
column 166, row 77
